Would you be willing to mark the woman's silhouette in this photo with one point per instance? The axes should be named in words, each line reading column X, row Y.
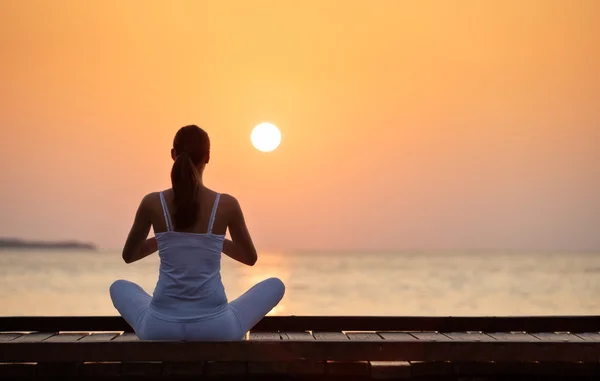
column 190, row 222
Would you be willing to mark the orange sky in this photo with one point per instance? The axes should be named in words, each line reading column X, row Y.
column 438, row 125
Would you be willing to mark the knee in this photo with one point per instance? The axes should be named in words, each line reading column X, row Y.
column 116, row 287
column 277, row 287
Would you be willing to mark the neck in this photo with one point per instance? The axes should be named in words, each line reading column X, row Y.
column 200, row 177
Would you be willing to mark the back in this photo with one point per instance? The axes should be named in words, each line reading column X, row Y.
column 189, row 286
column 164, row 201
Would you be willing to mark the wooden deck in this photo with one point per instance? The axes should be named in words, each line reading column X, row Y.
column 310, row 348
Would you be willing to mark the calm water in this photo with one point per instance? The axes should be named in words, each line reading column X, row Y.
column 76, row 283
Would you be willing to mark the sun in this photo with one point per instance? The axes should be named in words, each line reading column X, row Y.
column 265, row 137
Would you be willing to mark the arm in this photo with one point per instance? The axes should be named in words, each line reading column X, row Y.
column 138, row 246
column 240, row 247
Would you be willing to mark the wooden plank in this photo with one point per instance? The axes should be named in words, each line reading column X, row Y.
column 422, row 369
column 397, row 336
column 31, row 337
column 573, row 324
column 341, row 350
column 99, row 337
column 430, row 336
column 65, row 337
column 100, row 369
column 330, row 336
column 590, row 336
column 363, row 336
column 183, row 368
column 348, row 368
column 491, row 368
column 469, row 336
column 431, row 323
column 381, row 370
column 225, row 368
column 304, row 367
column 8, row 371
column 386, row 369
column 137, row 368
column 141, row 368
column 445, row 370
column 265, row 336
column 126, row 336
column 548, row 369
column 57, row 369
column 561, row 337
column 573, row 370
column 8, row 336
column 300, row 336
column 267, row 367
column 417, row 369
column 513, row 336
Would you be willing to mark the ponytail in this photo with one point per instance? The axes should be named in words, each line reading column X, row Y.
column 186, row 183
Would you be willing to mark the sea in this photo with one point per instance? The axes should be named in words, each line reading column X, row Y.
column 47, row 283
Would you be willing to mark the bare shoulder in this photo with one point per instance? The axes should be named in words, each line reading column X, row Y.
column 231, row 210
column 151, row 198
column 228, row 202
column 150, row 201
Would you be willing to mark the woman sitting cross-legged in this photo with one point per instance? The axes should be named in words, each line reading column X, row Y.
column 190, row 222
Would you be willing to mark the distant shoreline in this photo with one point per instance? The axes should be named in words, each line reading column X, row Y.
column 14, row 243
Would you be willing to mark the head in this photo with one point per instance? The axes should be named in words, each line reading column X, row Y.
column 191, row 153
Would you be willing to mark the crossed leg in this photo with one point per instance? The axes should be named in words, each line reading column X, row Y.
column 131, row 301
column 255, row 303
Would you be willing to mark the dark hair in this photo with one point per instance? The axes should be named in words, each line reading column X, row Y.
column 191, row 145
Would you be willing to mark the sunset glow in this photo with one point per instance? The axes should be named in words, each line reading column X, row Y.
column 435, row 125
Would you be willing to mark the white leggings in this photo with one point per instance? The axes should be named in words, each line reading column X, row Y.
column 241, row 315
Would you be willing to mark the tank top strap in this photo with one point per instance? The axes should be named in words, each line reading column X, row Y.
column 166, row 212
column 213, row 214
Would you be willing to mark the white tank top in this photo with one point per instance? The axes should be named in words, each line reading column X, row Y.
column 189, row 286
